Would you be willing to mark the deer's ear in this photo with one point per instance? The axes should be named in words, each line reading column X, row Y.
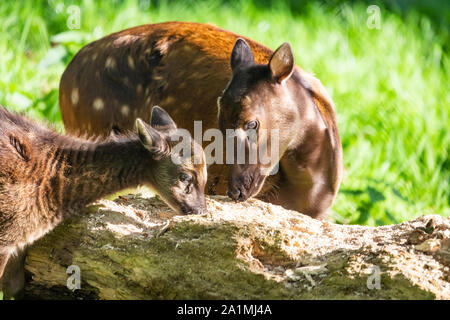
column 152, row 140
column 282, row 63
column 241, row 55
column 161, row 120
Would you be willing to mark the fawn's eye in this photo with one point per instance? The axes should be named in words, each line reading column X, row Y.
column 184, row 177
column 251, row 125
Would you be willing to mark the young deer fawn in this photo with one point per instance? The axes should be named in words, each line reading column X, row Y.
column 46, row 177
column 185, row 68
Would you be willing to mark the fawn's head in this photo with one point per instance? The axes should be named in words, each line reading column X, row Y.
column 179, row 180
column 258, row 102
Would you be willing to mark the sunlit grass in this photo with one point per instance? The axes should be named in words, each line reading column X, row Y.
column 390, row 86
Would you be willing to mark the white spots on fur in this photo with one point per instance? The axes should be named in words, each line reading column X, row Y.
column 74, row 96
column 87, row 48
column 168, row 100
column 139, row 89
column 199, row 61
column 123, row 40
column 195, row 75
column 163, row 46
column 125, row 110
column 98, row 104
column 94, row 57
column 130, row 62
column 110, row 63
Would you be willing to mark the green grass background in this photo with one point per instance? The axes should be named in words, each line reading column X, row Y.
column 390, row 86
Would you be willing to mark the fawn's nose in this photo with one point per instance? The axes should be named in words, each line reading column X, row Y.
column 199, row 210
column 194, row 210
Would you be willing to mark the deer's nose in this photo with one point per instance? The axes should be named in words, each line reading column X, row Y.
column 237, row 194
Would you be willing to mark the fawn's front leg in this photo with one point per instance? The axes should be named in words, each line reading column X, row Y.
column 12, row 274
column 3, row 261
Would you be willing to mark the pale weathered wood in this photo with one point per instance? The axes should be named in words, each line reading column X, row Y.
column 136, row 248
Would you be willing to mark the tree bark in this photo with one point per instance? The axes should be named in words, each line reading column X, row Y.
column 136, row 248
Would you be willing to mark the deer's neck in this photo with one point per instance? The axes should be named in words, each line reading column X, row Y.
column 311, row 157
column 85, row 172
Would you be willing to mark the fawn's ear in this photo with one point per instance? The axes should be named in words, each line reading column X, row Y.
column 161, row 121
column 241, row 55
column 152, row 140
column 21, row 148
column 282, row 63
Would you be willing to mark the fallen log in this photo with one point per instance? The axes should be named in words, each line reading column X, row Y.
column 136, row 248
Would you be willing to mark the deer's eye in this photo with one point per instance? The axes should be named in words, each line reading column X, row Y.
column 251, row 125
column 186, row 178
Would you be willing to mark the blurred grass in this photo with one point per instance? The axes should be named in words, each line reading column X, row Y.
column 390, row 86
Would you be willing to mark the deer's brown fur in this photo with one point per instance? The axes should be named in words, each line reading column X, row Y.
column 185, row 67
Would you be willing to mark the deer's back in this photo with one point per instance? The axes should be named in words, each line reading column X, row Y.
column 182, row 67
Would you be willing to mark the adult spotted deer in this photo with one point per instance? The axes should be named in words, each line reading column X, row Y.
column 46, row 177
column 200, row 72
